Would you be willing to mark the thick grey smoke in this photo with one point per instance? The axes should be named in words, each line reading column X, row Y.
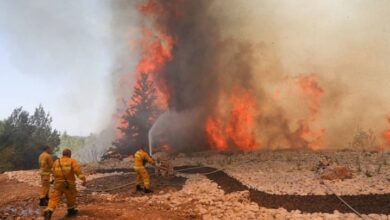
column 206, row 64
column 265, row 47
column 345, row 44
column 125, row 32
column 262, row 46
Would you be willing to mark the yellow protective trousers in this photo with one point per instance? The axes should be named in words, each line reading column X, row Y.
column 56, row 193
column 142, row 176
column 45, row 186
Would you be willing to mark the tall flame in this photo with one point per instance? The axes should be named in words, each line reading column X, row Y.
column 310, row 93
column 178, row 54
column 386, row 134
column 216, row 134
column 155, row 50
column 237, row 126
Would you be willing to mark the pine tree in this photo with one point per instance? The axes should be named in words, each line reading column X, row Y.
column 138, row 117
column 22, row 137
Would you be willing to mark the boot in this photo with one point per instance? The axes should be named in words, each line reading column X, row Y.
column 47, row 215
column 46, row 200
column 147, row 190
column 72, row 212
column 43, row 202
column 138, row 188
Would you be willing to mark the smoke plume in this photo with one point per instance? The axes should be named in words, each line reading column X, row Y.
column 266, row 74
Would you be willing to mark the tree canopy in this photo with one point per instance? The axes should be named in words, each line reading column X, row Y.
column 22, row 137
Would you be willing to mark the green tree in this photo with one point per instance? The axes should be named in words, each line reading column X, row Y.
column 7, row 153
column 138, row 117
column 2, row 126
column 23, row 136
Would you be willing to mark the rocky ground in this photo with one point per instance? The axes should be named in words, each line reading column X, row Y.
column 197, row 196
column 292, row 172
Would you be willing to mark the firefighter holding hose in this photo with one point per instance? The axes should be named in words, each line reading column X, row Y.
column 64, row 171
column 140, row 159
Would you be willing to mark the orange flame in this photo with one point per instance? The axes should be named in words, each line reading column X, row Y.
column 386, row 135
column 239, row 127
column 310, row 93
column 215, row 133
column 156, row 46
column 156, row 49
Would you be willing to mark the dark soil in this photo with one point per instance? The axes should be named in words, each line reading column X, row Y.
column 365, row 204
column 160, row 183
column 194, row 169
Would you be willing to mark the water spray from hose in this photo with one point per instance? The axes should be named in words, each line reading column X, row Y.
column 150, row 133
column 150, row 141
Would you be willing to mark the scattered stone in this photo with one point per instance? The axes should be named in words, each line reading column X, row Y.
column 272, row 172
column 337, row 172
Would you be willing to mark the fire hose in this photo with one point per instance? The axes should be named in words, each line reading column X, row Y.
column 341, row 199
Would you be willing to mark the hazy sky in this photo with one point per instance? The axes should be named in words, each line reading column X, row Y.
column 57, row 53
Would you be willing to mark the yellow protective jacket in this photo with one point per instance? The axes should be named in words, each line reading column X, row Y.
column 70, row 168
column 140, row 157
column 45, row 164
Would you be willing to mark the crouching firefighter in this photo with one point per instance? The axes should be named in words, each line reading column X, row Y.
column 140, row 159
column 64, row 171
column 45, row 165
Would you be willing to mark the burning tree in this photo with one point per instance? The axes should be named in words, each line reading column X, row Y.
column 139, row 117
column 206, row 82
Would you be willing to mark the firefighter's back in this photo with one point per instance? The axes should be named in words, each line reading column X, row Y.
column 62, row 169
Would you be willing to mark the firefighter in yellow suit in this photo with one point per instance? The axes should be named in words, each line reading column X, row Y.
column 45, row 164
column 140, row 159
column 64, row 171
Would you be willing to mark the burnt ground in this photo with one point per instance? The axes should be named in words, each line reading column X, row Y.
column 365, row 204
column 115, row 182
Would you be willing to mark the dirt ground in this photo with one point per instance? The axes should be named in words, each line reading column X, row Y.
column 17, row 199
column 217, row 186
column 20, row 200
column 119, row 210
column 161, row 184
